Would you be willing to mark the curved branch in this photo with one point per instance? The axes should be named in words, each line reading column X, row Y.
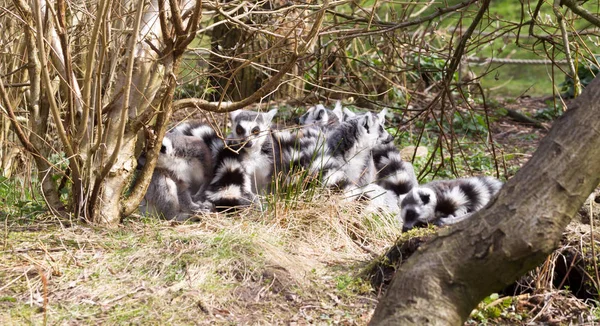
column 13, row 119
column 271, row 82
column 354, row 33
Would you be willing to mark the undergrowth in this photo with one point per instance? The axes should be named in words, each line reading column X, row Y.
column 253, row 268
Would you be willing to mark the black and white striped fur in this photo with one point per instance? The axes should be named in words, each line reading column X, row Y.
column 322, row 117
column 183, row 170
column 393, row 174
column 243, row 168
column 348, row 159
column 202, row 131
column 447, row 201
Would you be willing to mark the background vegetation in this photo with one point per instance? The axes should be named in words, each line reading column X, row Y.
column 282, row 265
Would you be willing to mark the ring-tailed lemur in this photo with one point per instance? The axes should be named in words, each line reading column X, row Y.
column 348, row 159
column 183, row 169
column 243, row 168
column 446, row 201
column 321, row 117
column 393, row 173
column 203, row 131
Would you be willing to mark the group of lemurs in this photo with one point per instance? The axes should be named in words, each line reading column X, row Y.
column 198, row 171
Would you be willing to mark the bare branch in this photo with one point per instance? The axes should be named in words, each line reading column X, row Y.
column 176, row 17
column 582, row 12
column 356, row 32
column 50, row 94
column 462, row 44
column 89, row 67
column 123, row 116
column 271, row 82
column 13, row 119
column 565, row 39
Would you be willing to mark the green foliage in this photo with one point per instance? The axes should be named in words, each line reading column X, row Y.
column 550, row 112
column 348, row 285
column 17, row 198
column 494, row 307
column 586, row 71
column 470, row 123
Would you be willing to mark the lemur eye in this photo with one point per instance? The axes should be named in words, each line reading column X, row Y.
column 320, row 115
column 239, row 130
column 163, row 149
column 255, row 131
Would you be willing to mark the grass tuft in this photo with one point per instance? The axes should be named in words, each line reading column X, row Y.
column 288, row 265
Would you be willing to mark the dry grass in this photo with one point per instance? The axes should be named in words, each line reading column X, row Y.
column 253, row 268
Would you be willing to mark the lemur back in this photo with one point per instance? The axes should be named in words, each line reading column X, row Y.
column 347, row 159
column 183, row 169
column 447, row 201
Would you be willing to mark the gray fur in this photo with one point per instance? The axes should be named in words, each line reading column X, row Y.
column 183, row 169
column 322, row 117
column 243, row 168
column 447, row 201
column 348, row 159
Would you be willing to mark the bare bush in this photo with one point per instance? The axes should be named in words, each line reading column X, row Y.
column 82, row 79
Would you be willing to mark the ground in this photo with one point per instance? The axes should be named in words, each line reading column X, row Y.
column 294, row 261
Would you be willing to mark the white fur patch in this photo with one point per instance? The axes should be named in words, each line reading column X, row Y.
column 229, row 192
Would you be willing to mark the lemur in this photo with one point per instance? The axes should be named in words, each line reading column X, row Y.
column 321, row 117
column 183, row 169
column 243, row 167
column 447, row 201
column 200, row 130
column 348, row 159
column 393, row 173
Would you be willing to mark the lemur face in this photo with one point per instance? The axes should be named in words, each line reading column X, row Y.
column 320, row 116
column 251, row 128
column 166, row 154
column 316, row 115
column 418, row 208
column 384, row 136
column 375, row 126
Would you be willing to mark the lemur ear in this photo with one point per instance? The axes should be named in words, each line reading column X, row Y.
column 234, row 114
column 320, row 113
column 270, row 115
column 365, row 120
column 348, row 114
column 381, row 115
column 167, row 146
column 337, row 110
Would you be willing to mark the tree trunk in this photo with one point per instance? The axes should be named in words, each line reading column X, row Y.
column 442, row 283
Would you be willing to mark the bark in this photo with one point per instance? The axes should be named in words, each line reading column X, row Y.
column 442, row 283
column 138, row 82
